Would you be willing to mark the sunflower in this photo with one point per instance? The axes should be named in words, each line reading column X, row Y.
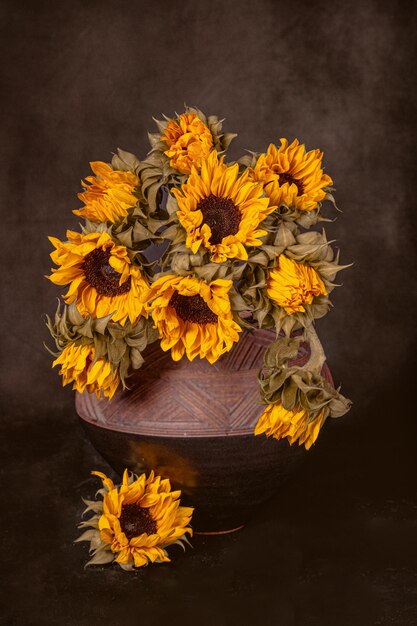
column 78, row 366
column 137, row 521
column 101, row 276
column 277, row 422
column 292, row 176
column 221, row 210
column 193, row 317
column 291, row 285
column 189, row 140
column 109, row 194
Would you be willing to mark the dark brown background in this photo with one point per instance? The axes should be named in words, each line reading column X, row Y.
column 82, row 78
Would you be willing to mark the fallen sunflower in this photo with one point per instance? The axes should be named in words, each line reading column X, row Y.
column 136, row 521
column 193, row 317
column 279, row 423
column 101, row 276
column 292, row 176
column 109, row 194
column 78, row 366
column 291, row 285
column 221, row 210
column 189, row 140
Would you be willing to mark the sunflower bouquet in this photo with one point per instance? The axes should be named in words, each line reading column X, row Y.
column 187, row 249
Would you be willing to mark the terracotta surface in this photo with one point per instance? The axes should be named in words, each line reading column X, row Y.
column 225, row 478
column 188, row 399
column 193, row 423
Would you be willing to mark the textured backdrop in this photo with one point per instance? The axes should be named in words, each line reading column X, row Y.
column 83, row 78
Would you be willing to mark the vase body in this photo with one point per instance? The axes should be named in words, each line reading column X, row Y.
column 193, row 423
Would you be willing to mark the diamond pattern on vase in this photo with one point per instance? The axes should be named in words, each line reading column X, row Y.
column 184, row 398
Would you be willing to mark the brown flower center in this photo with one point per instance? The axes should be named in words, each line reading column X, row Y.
column 135, row 520
column 222, row 215
column 286, row 177
column 100, row 274
column 192, row 309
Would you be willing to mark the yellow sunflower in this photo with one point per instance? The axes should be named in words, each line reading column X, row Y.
column 101, row 276
column 292, row 176
column 279, row 423
column 221, row 210
column 189, row 140
column 78, row 367
column 139, row 519
column 291, row 285
column 193, row 317
column 108, row 195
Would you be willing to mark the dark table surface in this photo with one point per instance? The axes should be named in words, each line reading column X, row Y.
column 337, row 546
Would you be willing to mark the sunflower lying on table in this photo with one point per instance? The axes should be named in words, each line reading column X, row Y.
column 135, row 522
column 235, row 251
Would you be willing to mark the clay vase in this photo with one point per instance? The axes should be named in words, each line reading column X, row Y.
column 193, row 423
